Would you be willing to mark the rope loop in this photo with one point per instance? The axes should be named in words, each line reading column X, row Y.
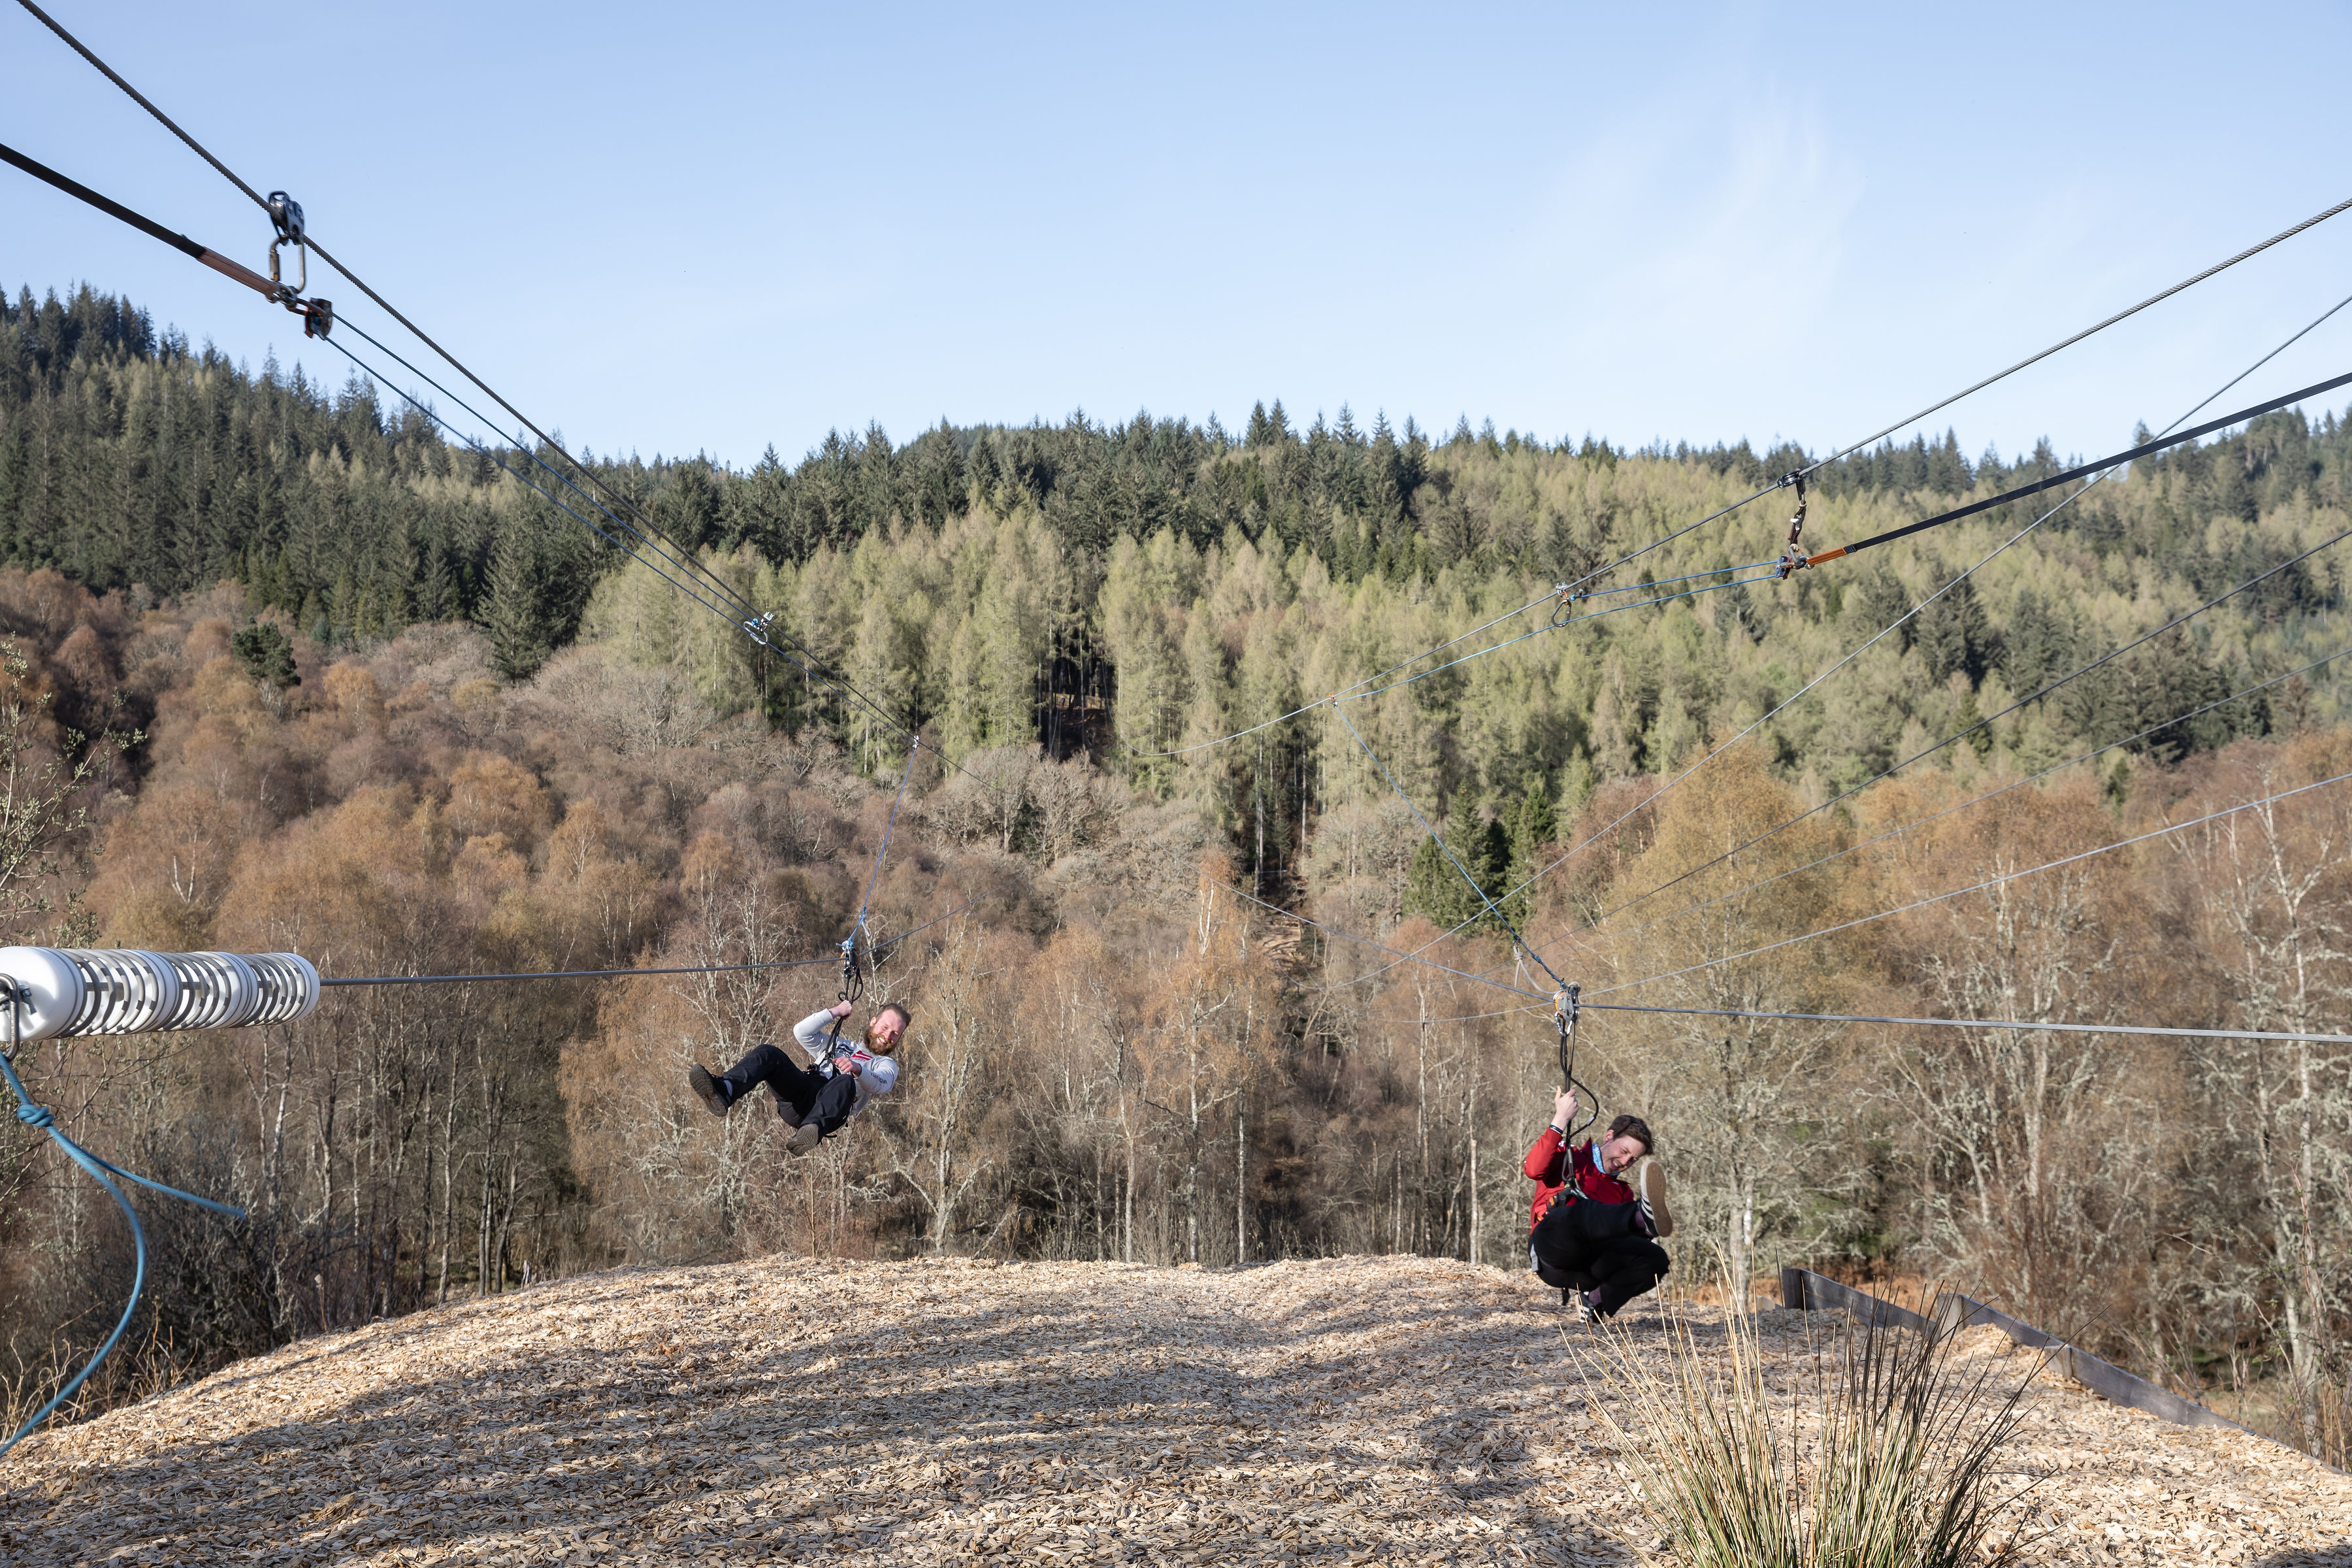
column 36, row 1116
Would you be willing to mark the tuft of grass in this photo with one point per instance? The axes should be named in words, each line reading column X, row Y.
column 1889, row 1458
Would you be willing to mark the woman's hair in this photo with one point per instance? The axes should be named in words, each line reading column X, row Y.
column 905, row 1019
column 1634, row 1127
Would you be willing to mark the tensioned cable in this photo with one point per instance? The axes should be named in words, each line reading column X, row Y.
column 696, row 590
column 1972, row 729
column 1543, row 598
column 1446, row 850
column 356, row 281
column 2145, row 449
column 551, row 498
column 2018, row 494
column 1981, row 1023
column 2034, row 359
column 567, row 973
column 1976, row 888
column 689, row 589
column 1897, row 832
column 1897, row 622
column 734, row 596
column 1808, row 1018
column 1563, row 625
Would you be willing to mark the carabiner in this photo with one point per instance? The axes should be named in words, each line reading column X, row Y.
column 1792, row 561
column 285, row 214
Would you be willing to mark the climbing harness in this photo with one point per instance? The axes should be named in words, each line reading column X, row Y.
column 1790, row 560
column 20, row 998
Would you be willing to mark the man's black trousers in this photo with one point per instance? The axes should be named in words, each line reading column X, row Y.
column 803, row 1095
column 1584, row 1245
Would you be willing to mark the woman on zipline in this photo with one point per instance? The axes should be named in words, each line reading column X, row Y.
column 1592, row 1236
column 818, row 1099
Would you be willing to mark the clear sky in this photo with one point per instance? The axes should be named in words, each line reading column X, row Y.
column 714, row 227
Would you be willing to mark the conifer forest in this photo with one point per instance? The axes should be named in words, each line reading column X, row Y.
column 286, row 670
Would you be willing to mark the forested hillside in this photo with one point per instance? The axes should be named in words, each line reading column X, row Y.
column 373, row 701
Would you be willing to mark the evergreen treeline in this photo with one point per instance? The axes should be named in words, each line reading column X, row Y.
column 1075, row 614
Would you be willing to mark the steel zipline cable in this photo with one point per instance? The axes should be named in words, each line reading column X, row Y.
column 760, row 628
column 355, row 280
column 1856, row 653
column 1989, row 882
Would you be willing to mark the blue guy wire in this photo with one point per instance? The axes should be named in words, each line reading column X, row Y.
column 101, row 1172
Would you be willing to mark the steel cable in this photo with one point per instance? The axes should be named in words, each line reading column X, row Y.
column 1973, row 888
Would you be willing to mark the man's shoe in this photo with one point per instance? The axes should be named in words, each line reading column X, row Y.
column 1656, row 1220
column 710, row 1090
column 803, row 1137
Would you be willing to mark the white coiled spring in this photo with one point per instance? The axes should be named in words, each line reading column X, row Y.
column 124, row 991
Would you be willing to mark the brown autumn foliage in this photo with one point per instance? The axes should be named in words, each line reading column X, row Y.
column 1114, row 1053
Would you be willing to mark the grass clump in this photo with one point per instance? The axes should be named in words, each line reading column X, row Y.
column 1887, row 1456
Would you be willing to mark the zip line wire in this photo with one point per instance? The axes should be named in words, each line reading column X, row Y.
column 1897, row 832
column 2145, row 449
column 2024, row 1024
column 1975, row 888
column 1445, row 848
column 1972, row 729
column 1899, row 621
column 1815, row 467
column 812, row 666
column 385, row 305
column 2313, row 221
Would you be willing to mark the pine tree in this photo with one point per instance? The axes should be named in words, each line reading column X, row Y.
column 511, row 612
column 1533, row 825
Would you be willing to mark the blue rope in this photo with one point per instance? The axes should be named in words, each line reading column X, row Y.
column 42, row 1117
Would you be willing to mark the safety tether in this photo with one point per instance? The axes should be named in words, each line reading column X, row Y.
column 853, row 977
column 100, row 1171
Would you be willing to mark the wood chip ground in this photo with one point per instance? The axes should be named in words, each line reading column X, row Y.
column 1352, row 1410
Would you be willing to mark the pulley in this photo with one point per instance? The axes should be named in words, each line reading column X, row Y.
column 318, row 315
column 125, row 991
column 1793, row 558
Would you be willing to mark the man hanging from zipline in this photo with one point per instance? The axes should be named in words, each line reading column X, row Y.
column 817, row 1099
column 1591, row 1236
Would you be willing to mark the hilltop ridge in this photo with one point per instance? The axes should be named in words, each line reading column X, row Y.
column 1386, row 1409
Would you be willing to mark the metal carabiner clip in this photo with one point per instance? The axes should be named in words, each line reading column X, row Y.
column 285, row 214
column 1792, row 560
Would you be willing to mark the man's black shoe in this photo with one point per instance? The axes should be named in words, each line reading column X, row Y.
column 711, row 1090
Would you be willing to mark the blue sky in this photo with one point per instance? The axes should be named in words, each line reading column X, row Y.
column 711, row 227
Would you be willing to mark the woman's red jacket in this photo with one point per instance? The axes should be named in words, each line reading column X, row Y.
column 1549, row 1163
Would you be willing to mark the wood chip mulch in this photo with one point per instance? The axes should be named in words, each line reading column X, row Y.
column 1385, row 1410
